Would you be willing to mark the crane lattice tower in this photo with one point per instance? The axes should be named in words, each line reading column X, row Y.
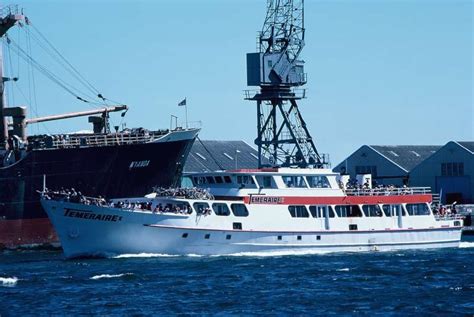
column 282, row 134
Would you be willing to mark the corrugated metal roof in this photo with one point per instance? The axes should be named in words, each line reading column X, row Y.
column 468, row 145
column 211, row 155
column 406, row 156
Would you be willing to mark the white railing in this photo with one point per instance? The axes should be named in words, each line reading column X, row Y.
column 387, row 191
column 94, row 140
column 449, row 217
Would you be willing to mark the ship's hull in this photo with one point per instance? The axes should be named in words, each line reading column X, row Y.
column 110, row 171
column 103, row 231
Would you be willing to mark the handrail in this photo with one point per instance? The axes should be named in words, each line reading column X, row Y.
column 449, row 217
column 388, row 191
column 93, row 140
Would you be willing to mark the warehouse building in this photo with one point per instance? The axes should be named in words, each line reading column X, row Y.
column 389, row 165
column 449, row 172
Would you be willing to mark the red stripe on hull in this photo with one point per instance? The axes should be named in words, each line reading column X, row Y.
column 27, row 233
column 344, row 200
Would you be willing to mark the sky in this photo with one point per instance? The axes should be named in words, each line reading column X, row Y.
column 380, row 72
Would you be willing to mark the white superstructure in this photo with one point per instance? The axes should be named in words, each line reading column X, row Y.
column 253, row 211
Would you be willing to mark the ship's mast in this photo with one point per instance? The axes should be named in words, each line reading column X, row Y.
column 282, row 134
column 9, row 16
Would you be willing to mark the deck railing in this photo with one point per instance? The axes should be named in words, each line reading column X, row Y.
column 388, row 191
column 93, row 140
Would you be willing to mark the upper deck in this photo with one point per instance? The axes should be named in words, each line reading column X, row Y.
column 126, row 137
column 294, row 182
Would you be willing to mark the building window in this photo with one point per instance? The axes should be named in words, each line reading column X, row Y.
column 452, row 169
column 361, row 169
column 298, row 211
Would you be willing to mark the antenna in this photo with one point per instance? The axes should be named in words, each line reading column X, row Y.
column 282, row 134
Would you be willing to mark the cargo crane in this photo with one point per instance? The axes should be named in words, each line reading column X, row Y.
column 277, row 69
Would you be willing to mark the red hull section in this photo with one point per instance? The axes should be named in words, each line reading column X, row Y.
column 27, row 233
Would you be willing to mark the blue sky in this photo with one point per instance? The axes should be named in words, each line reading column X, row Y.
column 379, row 72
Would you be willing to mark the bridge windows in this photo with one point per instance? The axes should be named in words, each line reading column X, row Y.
column 418, row 209
column 318, row 181
column 348, row 211
column 372, row 210
column 294, row 181
column 298, row 211
column 239, row 210
column 201, row 208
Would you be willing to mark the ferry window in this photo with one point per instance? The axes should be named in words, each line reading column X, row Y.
column 320, row 211
column 245, row 179
column 201, row 208
column 265, row 181
column 294, row 181
column 352, row 227
column 239, row 210
column 237, row 226
column 207, row 236
column 372, row 210
column 227, row 179
column 279, row 238
column 219, row 180
column 199, row 180
column 318, row 181
column 348, row 211
column 298, row 211
column 221, row 209
column 210, row 179
column 185, row 235
column 228, row 237
column 418, row 209
column 393, row 210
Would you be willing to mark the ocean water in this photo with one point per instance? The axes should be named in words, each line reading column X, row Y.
column 388, row 283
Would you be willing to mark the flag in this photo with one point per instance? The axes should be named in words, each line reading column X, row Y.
column 182, row 103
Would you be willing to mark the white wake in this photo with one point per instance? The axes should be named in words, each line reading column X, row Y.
column 8, row 281
column 143, row 255
column 466, row 245
column 98, row 277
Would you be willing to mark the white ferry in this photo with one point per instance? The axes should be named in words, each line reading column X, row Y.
column 273, row 209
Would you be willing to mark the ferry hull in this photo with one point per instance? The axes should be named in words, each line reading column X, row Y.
column 110, row 171
column 140, row 232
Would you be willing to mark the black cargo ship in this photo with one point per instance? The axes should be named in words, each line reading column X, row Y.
column 108, row 163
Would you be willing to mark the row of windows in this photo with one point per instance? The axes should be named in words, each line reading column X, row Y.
column 322, row 211
column 207, row 236
column 452, row 169
column 221, row 209
column 313, row 181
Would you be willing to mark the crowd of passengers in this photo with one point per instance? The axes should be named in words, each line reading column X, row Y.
column 188, row 193
column 353, row 185
column 445, row 211
column 71, row 195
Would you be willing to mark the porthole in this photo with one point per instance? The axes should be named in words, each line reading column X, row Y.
column 185, row 235
column 207, row 236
